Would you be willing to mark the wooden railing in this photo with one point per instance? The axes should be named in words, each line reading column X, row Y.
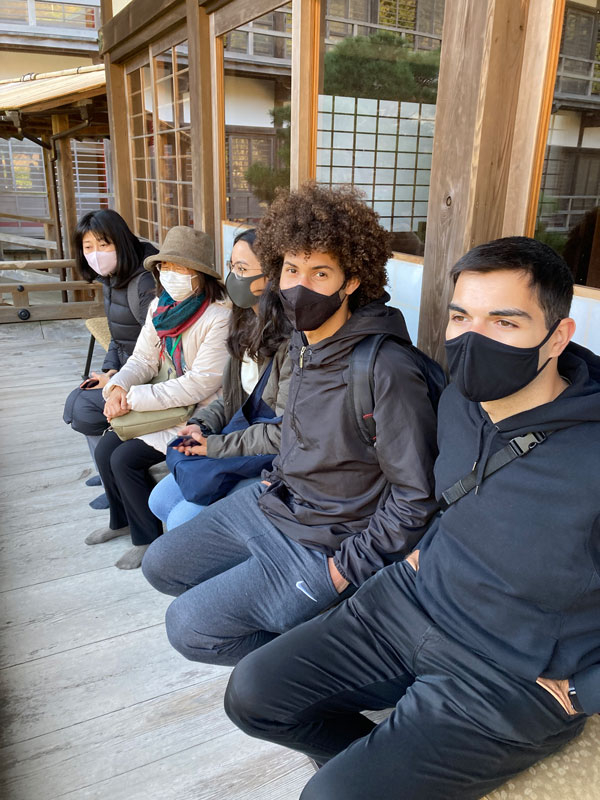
column 80, row 299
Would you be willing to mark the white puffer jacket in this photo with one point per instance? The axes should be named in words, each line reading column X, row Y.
column 205, row 355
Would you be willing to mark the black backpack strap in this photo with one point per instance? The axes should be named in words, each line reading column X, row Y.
column 517, row 447
column 361, row 386
column 361, row 383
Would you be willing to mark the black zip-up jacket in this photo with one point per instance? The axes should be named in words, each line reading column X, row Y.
column 123, row 324
column 513, row 571
column 365, row 506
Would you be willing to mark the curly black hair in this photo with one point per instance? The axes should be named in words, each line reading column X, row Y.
column 335, row 221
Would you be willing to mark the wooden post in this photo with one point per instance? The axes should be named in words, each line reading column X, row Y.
column 54, row 231
column 217, row 84
column 201, row 117
column 119, row 139
column 306, row 17
column 487, row 129
column 64, row 162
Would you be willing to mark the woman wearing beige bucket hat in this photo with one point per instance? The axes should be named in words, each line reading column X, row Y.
column 188, row 323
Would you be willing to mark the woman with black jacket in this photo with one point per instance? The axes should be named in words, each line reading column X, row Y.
column 108, row 252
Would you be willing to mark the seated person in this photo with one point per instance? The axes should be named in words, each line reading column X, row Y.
column 258, row 340
column 486, row 638
column 107, row 251
column 189, row 324
column 334, row 509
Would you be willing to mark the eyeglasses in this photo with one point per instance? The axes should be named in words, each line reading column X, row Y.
column 242, row 270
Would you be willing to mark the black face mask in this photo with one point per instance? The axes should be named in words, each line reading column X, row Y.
column 483, row 369
column 308, row 310
column 239, row 289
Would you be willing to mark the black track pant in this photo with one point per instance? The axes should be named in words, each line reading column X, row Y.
column 123, row 467
column 460, row 726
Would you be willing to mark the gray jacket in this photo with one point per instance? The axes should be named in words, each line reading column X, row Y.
column 365, row 506
column 259, row 439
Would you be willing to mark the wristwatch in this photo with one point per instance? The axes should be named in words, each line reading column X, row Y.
column 573, row 697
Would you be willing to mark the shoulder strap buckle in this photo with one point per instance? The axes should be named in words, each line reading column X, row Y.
column 523, row 444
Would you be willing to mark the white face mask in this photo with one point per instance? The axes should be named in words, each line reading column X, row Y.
column 178, row 285
column 101, row 262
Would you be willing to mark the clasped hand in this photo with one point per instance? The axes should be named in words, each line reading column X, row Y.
column 116, row 405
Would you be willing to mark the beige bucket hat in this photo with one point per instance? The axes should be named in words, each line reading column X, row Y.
column 188, row 248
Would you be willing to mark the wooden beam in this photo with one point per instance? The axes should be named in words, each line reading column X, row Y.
column 77, row 310
column 119, row 139
column 52, row 194
column 241, row 12
column 60, row 122
column 482, row 135
column 28, row 241
column 25, row 218
column 305, row 78
column 138, row 23
column 201, row 117
column 540, row 61
column 50, row 286
column 56, row 263
column 217, row 84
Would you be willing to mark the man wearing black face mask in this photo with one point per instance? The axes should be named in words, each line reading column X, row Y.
column 485, row 639
column 334, row 509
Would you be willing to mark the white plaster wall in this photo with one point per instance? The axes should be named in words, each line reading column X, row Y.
column 117, row 5
column 247, row 101
column 591, row 137
column 564, row 129
column 15, row 65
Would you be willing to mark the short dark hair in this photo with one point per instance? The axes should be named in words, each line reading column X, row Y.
column 335, row 221
column 108, row 225
column 259, row 335
column 548, row 272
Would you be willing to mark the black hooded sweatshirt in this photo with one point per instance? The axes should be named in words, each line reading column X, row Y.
column 513, row 571
column 366, row 506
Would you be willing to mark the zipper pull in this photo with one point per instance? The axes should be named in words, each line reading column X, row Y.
column 301, row 359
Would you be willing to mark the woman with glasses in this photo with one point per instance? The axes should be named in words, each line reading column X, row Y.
column 257, row 343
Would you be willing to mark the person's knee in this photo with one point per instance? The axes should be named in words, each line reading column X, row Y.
column 120, row 460
column 181, row 622
column 325, row 784
column 249, row 692
column 154, row 569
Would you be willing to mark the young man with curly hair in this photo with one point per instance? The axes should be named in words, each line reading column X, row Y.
column 334, row 510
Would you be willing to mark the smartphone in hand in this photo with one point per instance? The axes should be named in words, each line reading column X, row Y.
column 89, row 383
column 184, row 441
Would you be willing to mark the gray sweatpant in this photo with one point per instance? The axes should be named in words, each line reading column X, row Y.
column 238, row 581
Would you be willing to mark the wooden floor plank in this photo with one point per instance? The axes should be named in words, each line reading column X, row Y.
column 56, row 551
column 54, row 617
column 96, row 702
column 92, row 681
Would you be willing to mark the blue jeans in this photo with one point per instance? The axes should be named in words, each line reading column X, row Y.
column 238, row 581
column 169, row 505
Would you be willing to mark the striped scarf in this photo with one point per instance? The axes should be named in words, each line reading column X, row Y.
column 171, row 319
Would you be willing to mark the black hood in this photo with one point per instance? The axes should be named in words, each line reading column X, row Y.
column 580, row 401
column 374, row 318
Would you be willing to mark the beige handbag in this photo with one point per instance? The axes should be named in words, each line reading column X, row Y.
column 138, row 423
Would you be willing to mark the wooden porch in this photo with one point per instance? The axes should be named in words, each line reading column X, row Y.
column 96, row 703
